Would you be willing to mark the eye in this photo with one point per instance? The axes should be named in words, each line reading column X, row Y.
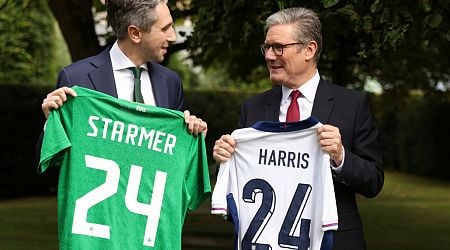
column 277, row 46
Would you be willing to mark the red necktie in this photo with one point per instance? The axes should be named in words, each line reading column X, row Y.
column 293, row 113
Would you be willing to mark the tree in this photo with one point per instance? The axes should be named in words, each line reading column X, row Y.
column 26, row 34
column 401, row 44
column 77, row 25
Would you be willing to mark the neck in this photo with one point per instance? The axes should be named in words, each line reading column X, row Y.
column 130, row 50
column 299, row 80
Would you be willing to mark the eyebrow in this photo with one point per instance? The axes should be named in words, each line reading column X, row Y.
column 167, row 26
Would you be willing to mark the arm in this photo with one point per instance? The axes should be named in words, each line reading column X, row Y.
column 362, row 170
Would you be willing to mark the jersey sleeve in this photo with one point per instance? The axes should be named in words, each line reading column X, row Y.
column 329, row 212
column 197, row 181
column 55, row 140
column 219, row 196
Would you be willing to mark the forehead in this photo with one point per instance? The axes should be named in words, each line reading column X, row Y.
column 280, row 33
column 163, row 17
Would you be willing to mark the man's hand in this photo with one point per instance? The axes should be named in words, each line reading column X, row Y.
column 223, row 148
column 330, row 142
column 195, row 124
column 56, row 99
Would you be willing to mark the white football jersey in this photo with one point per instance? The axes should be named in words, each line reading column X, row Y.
column 277, row 188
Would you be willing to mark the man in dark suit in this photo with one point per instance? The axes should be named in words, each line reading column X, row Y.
column 292, row 48
column 144, row 30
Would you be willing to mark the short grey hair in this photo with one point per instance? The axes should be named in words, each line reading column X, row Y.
column 307, row 23
column 123, row 13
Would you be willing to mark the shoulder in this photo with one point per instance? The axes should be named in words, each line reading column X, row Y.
column 340, row 93
column 159, row 69
column 91, row 62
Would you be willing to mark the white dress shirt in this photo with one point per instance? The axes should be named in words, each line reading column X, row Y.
column 124, row 78
column 305, row 103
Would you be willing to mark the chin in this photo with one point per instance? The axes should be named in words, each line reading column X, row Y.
column 276, row 80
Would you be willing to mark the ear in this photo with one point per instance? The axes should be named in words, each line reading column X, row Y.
column 134, row 33
column 310, row 50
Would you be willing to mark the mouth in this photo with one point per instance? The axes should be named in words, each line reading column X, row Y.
column 275, row 67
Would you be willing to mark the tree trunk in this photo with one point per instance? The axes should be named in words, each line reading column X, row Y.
column 77, row 26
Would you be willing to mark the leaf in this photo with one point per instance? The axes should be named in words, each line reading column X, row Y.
column 376, row 6
column 435, row 21
column 329, row 3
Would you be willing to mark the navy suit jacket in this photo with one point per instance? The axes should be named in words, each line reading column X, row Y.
column 362, row 172
column 96, row 73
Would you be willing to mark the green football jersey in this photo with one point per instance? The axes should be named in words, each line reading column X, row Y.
column 129, row 172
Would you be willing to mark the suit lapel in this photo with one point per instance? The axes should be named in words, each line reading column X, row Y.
column 160, row 91
column 272, row 106
column 102, row 77
column 323, row 102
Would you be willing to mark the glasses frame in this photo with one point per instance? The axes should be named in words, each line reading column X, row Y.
column 277, row 48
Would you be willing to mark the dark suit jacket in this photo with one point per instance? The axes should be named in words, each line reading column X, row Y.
column 362, row 171
column 96, row 73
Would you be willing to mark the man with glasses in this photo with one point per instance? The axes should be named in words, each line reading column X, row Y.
column 349, row 135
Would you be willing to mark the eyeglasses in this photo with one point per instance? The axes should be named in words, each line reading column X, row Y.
column 276, row 47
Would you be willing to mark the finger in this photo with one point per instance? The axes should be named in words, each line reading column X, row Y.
column 197, row 126
column 221, row 155
column 204, row 128
column 187, row 116
column 226, row 146
column 69, row 91
column 228, row 140
column 192, row 124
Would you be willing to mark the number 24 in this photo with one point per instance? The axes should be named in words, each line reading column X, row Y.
column 265, row 211
column 152, row 211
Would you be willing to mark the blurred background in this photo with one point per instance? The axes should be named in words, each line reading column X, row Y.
column 398, row 51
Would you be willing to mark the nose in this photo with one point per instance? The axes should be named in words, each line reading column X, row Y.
column 270, row 54
column 171, row 35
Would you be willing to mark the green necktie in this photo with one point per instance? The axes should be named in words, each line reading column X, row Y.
column 137, row 97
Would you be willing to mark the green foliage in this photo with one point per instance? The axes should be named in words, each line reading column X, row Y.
column 423, row 137
column 414, row 131
column 227, row 34
column 26, row 36
column 400, row 44
column 22, row 122
column 181, row 65
column 219, row 108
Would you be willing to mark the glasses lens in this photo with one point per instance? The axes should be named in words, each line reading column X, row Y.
column 278, row 49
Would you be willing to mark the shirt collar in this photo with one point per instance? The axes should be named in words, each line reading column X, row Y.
column 119, row 60
column 308, row 89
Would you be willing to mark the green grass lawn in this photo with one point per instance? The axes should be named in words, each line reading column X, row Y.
column 410, row 213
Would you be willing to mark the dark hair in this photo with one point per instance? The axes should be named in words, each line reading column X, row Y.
column 123, row 13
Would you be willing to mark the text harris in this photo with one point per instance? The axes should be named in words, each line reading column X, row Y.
column 283, row 158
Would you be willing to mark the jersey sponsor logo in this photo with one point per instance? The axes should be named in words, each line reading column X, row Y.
column 141, row 108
